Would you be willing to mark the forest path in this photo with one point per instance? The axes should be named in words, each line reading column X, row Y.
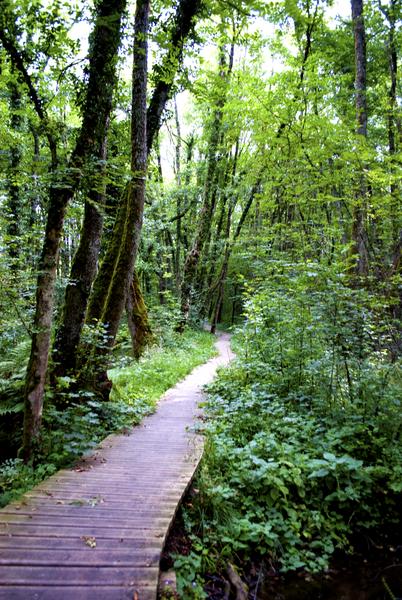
column 96, row 532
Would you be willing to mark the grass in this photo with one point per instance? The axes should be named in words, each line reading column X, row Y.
column 161, row 368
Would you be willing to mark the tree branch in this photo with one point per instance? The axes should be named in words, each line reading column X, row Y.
column 18, row 63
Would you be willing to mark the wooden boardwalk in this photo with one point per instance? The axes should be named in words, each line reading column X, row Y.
column 96, row 532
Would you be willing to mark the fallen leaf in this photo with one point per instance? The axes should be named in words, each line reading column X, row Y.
column 89, row 540
column 96, row 500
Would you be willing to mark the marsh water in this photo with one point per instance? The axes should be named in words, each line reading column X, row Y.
column 355, row 579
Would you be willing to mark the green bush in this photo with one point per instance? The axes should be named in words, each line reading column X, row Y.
column 304, row 430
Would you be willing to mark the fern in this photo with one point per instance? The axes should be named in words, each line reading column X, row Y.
column 10, row 406
column 14, row 363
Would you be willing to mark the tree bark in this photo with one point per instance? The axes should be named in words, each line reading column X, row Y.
column 85, row 261
column 394, row 132
column 178, row 198
column 100, row 86
column 131, row 210
column 13, row 186
column 83, row 271
column 220, row 285
column 183, row 21
column 137, row 318
column 359, row 234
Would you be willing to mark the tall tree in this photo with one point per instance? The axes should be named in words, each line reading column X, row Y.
column 394, row 119
column 359, row 232
column 230, row 242
column 133, row 204
column 14, row 192
column 209, row 193
column 96, row 109
column 102, row 306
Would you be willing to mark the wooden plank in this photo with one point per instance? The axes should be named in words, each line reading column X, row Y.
column 88, row 502
column 55, row 556
column 77, row 593
column 78, row 543
column 79, row 513
column 93, row 489
column 74, row 575
column 141, row 531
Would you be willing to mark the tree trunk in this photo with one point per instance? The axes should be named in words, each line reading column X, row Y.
column 131, row 210
column 178, row 199
column 124, row 267
column 220, row 285
column 100, row 296
column 137, row 318
column 359, row 234
column 82, row 274
column 13, row 186
column 394, row 132
column 182, row 24
column 213, row 258
column 99, row 90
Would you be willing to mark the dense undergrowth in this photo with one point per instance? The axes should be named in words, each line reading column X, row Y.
column 303, row 431
column 85, row 420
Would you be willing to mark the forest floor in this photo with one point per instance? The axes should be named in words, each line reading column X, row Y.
column 373, row 572
column 106, row 519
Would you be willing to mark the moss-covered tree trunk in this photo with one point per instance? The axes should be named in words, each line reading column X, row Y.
column 83, row 271
column 137, row 318
column 103, row 53
column 100, row 308
column 85, row 261
column 131, row 210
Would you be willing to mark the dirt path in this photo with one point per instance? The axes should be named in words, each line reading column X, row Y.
column 97, row 532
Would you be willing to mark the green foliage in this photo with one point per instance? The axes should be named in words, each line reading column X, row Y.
column 13, row 359
column 189, row 584
column 323, row 340
column 304, row 431
column 303, row 443
column 16, row 478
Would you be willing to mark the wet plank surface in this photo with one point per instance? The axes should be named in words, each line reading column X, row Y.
column 97, row 532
